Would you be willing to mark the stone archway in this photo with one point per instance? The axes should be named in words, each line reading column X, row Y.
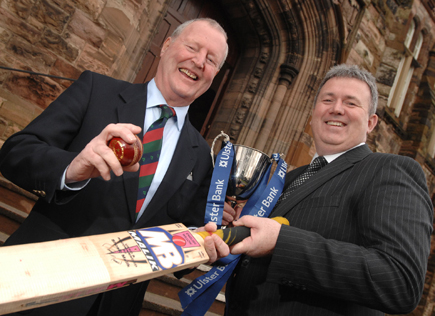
column 286, row 48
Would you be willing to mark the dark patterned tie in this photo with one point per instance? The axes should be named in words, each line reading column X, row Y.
column 318, row 163
column 152, row 146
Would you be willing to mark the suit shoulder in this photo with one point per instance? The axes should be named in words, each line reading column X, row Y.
column 392, row 157
column 94, row 78
column 404, row 163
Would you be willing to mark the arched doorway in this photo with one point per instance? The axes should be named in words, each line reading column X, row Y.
column 202, row 111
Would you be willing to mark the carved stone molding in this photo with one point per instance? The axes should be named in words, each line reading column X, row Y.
column 246, row 102
column 287, row 74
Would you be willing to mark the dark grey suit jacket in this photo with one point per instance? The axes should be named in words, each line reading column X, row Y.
column 357, row 244
column 36, row 158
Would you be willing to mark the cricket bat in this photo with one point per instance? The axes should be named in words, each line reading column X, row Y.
column 39, row 274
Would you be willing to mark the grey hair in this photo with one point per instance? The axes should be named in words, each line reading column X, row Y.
column 212, row 23
column 353, row 71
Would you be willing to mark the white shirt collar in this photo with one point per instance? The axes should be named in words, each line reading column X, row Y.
column 330, row 158
column 155, row 98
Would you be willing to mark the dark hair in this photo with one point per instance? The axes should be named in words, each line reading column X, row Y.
column 353, row 71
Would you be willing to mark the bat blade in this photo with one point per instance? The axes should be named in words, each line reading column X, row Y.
column 39, row 274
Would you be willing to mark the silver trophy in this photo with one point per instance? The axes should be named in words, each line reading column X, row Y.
column 248, row 169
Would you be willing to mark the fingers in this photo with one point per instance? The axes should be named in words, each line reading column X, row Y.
column 232, row 213
column 264, row 235
column 228, row 215
column 239, row 208
column 126, row 131
column 242, row 247
column 215, row 248
column 97, row 159
column 210, row 227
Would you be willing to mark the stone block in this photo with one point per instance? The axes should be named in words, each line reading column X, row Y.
column 93, row 60
column 39, row 90
column 22, row 8
column 5, row 35
column 364, row 52
column 62, row 68
column 112, row 45
column 386, row 74
column 59, row 46
column 84, row 28
column 66, row 5
column 116, row 21
column 51, row 15
column 18, row 27
column 35, row 57
column 3, row 124
column 16, row 112
column 91, row 7
column 392, row 57
column 11, row 130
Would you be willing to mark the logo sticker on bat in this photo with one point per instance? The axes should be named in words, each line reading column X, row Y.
column 159, row 243
column 160, row 249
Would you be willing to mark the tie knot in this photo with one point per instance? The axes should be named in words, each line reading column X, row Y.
column 318, row 163
column 167, row 112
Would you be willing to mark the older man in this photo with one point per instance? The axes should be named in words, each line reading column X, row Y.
column 63, row 156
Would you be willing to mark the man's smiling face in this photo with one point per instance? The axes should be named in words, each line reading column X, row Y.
column 189, row 63
column 341, row 117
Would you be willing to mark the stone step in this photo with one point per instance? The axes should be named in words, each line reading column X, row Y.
column 15, row 205
column 165, row 306
column 12, row 212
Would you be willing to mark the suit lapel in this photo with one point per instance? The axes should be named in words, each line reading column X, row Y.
column 133, row 111
column 331, row 170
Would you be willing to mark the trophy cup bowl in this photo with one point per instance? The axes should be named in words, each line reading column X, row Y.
column 248, row 169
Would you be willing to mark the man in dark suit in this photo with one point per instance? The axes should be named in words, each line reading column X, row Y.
column 359, row 234
column 63, row 157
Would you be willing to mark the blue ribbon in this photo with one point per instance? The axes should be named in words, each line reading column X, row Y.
column 219, row 184
column 197, row 297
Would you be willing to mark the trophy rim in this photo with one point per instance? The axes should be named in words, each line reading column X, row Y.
column 261, row 152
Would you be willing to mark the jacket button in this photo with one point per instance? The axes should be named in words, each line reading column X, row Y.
column 245, row 262
column 287, row 282
column 40, row 193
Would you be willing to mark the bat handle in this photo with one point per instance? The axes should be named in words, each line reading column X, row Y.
column 233, row 235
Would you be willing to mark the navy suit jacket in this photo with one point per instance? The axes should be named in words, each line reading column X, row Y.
column 357, row 244
column 36, row 158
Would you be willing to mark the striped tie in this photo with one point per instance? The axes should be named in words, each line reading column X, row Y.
column 318, row 163
column 152, row 146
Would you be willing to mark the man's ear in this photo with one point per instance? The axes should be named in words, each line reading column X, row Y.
column 373, row 120
column 165, row 46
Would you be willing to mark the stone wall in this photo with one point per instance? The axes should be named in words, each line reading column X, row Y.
column 62, row 38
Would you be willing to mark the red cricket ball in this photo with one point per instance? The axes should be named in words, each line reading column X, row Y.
column 127, row 154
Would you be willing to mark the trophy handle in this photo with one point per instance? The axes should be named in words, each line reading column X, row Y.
column 227, row 139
